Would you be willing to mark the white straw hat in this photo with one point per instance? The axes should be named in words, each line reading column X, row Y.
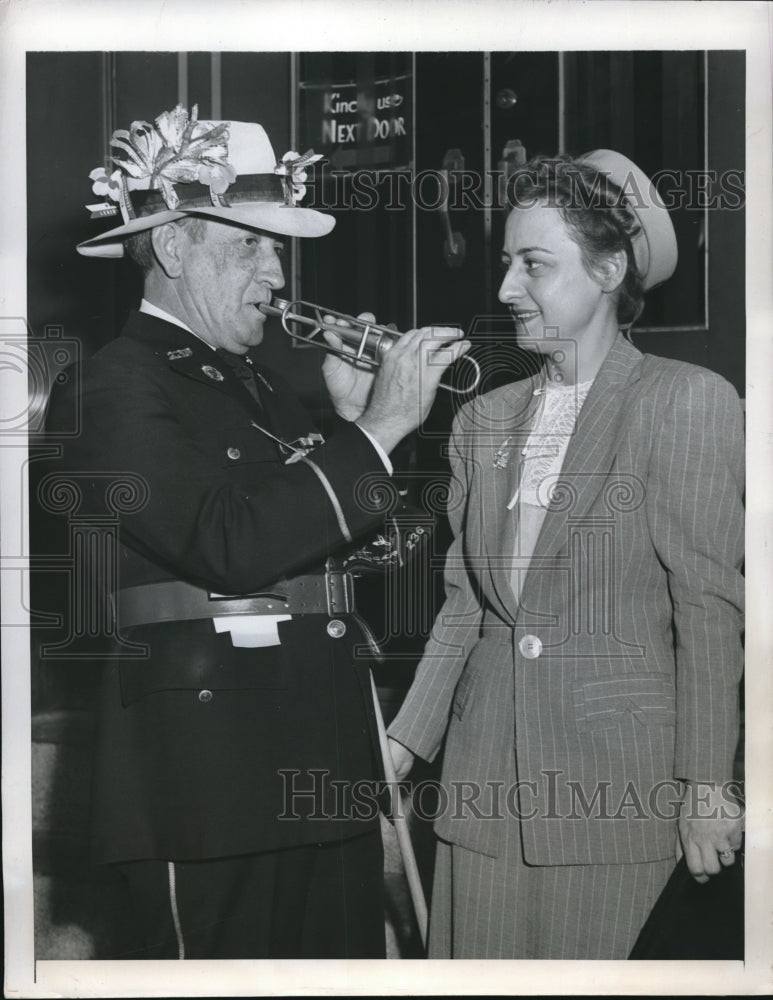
column 217, row 169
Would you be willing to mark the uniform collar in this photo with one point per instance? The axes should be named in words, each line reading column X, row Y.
column 153, row 310
column 163, row 334
column 189, row 355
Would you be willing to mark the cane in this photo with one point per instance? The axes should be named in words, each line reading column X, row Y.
column 401, row 824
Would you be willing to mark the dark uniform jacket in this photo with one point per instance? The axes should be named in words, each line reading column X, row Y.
column 201, row 744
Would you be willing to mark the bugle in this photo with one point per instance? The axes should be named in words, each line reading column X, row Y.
column 369, row 341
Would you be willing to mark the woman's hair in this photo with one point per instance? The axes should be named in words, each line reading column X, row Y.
column 596, row 212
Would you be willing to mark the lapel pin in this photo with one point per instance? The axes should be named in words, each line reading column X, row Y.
column 212, row 373
column 183, row 352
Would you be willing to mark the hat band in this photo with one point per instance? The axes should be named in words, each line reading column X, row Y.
column 246, row 188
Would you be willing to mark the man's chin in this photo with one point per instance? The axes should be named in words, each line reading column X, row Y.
column 249, row 339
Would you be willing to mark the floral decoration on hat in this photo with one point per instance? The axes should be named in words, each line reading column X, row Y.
column 178, row 149
column 292, row 169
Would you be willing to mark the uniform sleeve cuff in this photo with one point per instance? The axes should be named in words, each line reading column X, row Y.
column 381, row 453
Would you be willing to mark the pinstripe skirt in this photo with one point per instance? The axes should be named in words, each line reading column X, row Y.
column 501, row 907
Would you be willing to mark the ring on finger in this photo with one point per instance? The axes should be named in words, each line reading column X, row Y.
column 726, row 855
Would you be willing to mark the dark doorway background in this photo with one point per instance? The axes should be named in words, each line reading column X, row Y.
column 680, row 110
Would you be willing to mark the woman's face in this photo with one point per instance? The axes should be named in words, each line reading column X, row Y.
column 546, row 287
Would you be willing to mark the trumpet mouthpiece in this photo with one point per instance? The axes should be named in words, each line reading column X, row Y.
column 273, row 308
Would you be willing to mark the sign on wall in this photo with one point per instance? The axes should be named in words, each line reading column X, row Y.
column 357, row 126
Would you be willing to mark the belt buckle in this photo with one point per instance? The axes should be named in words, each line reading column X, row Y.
column 339, row 590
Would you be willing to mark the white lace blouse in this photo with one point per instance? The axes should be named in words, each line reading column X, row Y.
column 541, row 459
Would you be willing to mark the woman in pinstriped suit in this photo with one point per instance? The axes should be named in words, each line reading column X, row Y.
column 583, row 671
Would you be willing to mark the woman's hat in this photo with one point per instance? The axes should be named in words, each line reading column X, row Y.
column 654, row 247
column 217, row 169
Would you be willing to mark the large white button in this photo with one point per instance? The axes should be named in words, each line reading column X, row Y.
column 530, row 646
column 336, row 628
column 205, row 696
column 234, row 453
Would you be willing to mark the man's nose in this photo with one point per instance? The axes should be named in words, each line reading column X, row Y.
column 270, row 269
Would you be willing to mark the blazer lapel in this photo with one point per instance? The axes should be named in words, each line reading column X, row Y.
column 508, row 427
column 591, row 453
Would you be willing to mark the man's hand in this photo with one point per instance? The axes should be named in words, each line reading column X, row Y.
column 348, row 384
column 407, row 381
column 710, row 829
column 395, row 400
column 402, row 758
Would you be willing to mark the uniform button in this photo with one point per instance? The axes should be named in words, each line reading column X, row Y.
column 205, row 696
column 234, row 453
column 530, row 646
column 336, row 628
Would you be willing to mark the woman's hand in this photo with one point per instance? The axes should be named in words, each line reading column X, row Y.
column 402, row 758
column 710, row 829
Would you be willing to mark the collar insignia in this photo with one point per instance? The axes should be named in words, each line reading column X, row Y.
column 212, row 373
column 183, row 352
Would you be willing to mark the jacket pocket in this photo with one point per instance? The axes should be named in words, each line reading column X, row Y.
column 462, row 693
column 604, row 703
column 193, row 657
column 485, row 658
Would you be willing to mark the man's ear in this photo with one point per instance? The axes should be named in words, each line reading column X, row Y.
column 166, row 240
column 611, row 271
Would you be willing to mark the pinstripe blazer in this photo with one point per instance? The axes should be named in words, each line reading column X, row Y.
column 574, row 710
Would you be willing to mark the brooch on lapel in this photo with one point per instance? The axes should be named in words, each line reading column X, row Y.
column 183, row 352
column 502, row 456
column 212, row 373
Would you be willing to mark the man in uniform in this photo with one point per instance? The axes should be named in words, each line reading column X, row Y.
column 223, row 747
